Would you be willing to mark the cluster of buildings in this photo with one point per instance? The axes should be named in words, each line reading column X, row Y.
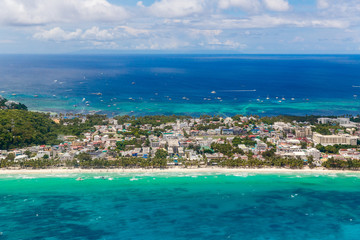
column 183, row 141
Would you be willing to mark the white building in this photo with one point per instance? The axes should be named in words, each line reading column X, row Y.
column 334, row 139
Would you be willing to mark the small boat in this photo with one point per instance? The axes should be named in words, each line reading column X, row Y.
column 213, row 92
column 283, row 99
column 133, row 83
column 292, row 99
column 79, row 179
column 36, row 95
column 14, row 94
column 110, row 178
column 267, row 98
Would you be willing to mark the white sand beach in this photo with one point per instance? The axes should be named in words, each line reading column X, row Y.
column 209, row 170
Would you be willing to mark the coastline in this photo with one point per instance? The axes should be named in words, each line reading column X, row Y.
column 212, row 170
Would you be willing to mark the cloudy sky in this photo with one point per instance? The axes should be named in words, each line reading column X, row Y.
column 183, row 26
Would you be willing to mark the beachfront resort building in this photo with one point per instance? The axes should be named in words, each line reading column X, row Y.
column 325, row 140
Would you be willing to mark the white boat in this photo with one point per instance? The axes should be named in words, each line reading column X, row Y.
column 110, row 178
column 213, row 92
column 79, row 179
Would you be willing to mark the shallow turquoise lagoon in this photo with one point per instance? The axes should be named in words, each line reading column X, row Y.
column 180, row 206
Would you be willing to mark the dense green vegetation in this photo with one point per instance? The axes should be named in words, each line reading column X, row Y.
column 84, row 160
column 351, row 164
column 122, row 145
column 246, row 141
column 19, row 128
column 287, row 118
column 253, row 162
column 75, row 126
column 327, row 129
column 334, row 149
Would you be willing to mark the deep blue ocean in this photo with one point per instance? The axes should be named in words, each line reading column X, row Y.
column 184, row 84
column 294, row 206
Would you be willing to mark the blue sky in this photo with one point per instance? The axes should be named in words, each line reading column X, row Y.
column 180, row 26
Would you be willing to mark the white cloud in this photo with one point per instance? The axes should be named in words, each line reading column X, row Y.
column 140, row 4
column 207, row 33
column 158, row 43
column 58, row 34
column 268, row 21
column 248, row 5
column 277, row 5
column 322, row 4
column 133, row 31
column 35, row 12
column 176, row 8
column 94, row 34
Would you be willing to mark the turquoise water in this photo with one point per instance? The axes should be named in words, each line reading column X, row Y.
column 180, row 206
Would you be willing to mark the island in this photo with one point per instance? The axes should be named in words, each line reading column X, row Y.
column 33, row 140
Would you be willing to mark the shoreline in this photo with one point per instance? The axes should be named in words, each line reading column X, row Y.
column 174, row 170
